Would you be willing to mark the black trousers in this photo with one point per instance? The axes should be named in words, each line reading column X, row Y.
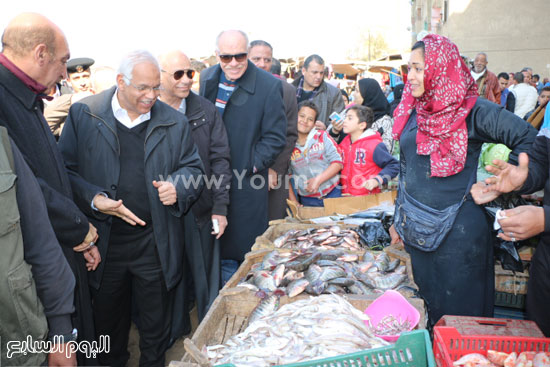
column 203, row 265
column 133, row 267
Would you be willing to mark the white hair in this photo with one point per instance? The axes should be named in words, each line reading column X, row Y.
column 132, row 59
column 222, row 32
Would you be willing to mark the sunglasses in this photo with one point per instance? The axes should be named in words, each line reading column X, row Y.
column 178, row 74
column 238, row 57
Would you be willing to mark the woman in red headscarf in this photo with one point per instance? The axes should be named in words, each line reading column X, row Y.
column 441, row 124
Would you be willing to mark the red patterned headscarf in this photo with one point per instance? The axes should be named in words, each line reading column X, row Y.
column 450, row 93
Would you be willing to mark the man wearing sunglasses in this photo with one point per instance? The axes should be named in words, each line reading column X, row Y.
column 251, row 103
column 202, row 247
column 261, row 54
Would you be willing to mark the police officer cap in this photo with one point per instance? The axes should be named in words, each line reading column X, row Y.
column 79, row 65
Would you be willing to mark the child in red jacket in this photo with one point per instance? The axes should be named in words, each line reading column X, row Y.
column 367, row 162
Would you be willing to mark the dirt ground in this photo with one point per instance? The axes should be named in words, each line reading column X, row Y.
column 175, row 353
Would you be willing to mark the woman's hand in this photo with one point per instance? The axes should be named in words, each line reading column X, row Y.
column 395, row 239
column 480, row 195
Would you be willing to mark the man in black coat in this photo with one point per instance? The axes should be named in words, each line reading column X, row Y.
column 128, row 145
column 201, row 240
column 251, row 104
column 27, row 71
column 261, row 54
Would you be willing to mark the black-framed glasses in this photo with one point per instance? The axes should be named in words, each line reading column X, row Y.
column 238, row 57
column 178, row 74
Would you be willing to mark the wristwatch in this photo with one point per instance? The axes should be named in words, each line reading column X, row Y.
column 65, row 338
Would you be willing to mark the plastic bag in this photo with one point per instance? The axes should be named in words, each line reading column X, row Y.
column 505, row 251
column 374, row 235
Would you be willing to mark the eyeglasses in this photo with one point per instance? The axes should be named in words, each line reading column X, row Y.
column 146, row 88
column 238, row 57
column 178, row 74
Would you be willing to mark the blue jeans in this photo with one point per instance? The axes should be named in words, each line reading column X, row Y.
column 229, row 267
column 311, row 201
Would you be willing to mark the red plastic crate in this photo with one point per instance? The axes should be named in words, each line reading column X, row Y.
column 450, row 345
column 471, row 325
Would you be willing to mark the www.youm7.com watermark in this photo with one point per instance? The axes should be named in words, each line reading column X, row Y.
column 89, row 349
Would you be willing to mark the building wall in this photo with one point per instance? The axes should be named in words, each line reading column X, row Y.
column 513, row 33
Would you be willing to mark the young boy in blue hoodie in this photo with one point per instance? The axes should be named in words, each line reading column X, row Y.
column 315, row 161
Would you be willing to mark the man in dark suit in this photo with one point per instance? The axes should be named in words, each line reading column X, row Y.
column 127, row 144
column 250, row 101
column 261, row 54
column 33, row 59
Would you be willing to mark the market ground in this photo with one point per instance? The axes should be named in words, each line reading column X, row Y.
column 175, row 353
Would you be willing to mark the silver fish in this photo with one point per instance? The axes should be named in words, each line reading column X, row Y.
column 363, row 266
column 392, row 265
column 336, row 289
column 267, row 305
column 348, row 257
column 342, row 282
column 401, row 269
column 270, row 261
column 278, row 274
column 313, row 273
column 316, row 288
column 389, row 281
column 331, row 272
column 296, row 287
column 321, row 237
column 264, row 280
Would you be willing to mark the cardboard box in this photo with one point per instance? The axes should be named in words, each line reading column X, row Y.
column 510, row 282
column 342, row 205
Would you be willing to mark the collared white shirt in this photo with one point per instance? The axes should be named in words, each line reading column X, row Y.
column 122, row 115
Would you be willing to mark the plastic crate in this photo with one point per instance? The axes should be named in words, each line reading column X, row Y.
column 504, row 299
column 450, row 345
column 471, row 325
column 412, row 349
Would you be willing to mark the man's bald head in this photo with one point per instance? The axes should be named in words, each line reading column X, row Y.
column 171, row 57
column 231, row 37
column 176, row 77
column 28, row 30
column 232, row 51
column 38, row 47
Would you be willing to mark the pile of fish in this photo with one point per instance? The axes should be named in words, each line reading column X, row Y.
column 324, row 238
column 319, row 327
column 501, row 359
column 328, row 271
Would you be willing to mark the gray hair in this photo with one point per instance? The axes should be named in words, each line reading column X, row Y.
column 484, row 54
column 221, row 34
column 527, row 69
column 132, row 59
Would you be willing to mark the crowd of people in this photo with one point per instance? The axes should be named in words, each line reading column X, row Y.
column 129, row 195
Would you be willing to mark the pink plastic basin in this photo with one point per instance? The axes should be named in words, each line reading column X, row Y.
column 392, row 303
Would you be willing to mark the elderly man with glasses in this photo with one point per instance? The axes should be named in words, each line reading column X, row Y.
column 250, row 101
column 139, row 151
column 205, row 223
